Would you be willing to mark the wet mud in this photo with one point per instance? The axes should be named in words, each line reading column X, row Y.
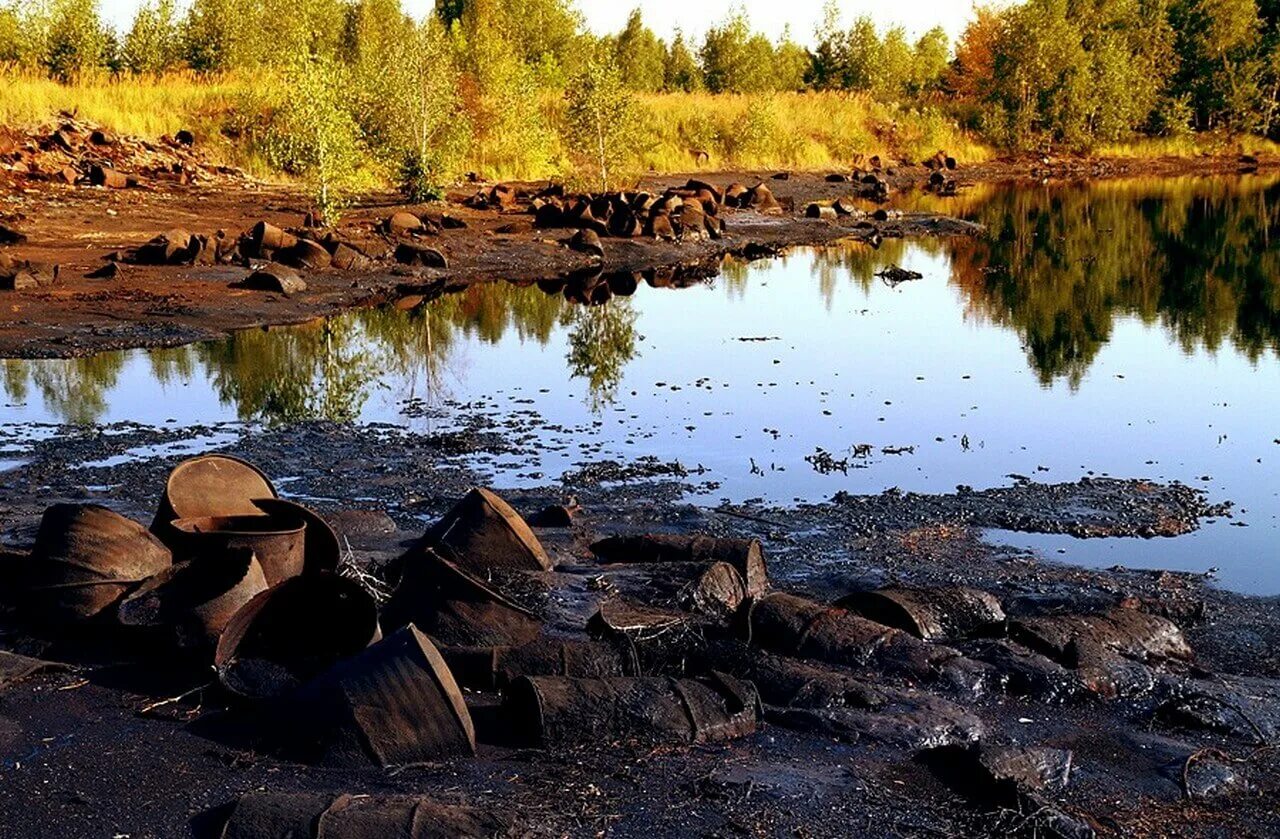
column 1066, row 701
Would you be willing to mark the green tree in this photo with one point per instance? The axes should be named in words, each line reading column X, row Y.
column 930, row 62
column 11, row 36
column 862, row 55
column 894, row 69
column 314, row 135
column 78, row 41
column 152, row 43
column 435, row 133
column 737, row 61
column 830, row 61
column 1217, row 41
column 641, row 57
column 213, row 35
column 601, row 116
column 681, row 72
column 791, row 63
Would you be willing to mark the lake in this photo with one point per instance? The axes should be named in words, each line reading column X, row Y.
column 1129, row 329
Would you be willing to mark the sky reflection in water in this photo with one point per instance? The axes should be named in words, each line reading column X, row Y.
column 1129, row 329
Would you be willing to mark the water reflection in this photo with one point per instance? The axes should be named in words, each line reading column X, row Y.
column 1060, row 267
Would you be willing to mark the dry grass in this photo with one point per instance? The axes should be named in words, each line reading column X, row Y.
column 798, row 131
column 802, row 131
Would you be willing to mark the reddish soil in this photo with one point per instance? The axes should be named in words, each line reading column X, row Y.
column 75, row 226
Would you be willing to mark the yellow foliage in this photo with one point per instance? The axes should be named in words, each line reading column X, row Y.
column 812, row 131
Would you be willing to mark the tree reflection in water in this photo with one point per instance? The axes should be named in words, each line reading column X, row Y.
column 1059, row 266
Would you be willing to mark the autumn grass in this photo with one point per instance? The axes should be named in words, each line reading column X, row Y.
column 801, row 131
column 796, row 131
column 1186, row 145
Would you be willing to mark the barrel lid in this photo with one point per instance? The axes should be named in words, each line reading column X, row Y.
column 216, row 485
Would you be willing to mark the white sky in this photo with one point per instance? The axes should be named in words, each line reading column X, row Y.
column 695, row 16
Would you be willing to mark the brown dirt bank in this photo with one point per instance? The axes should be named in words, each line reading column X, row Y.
column 76, row 226
column 153, row 306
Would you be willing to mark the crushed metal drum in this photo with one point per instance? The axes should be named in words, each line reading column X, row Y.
column 714, row 589
column 265, row 239
column 209, row 486
column 86, row 558
column 411, row 253
column 196, row 600
column 394, row 703
column 794, row 626
column 493, row 668
column 483, row 532
column 266, row 814
column 278, row 540
column 274, row 277
column 15, row 667
column 745, row 555
column 105, row 176
column 1127, row 632
column 834, row 703
column 291, row 633
column 454, row 607
column 943, row 613
column 553, row 711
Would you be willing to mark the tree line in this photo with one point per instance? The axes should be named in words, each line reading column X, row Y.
column 1069, row 72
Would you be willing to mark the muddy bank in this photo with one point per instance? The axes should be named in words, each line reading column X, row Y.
column 60, row 212
column 79, row 253
column 1035, row 752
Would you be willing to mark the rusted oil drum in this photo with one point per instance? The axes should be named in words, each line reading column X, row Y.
column 268, row 813
column 293, row 632
column 942, row 613
column 745, row 555
column 211, row 485
column 84, row 559
column 493, row 668
column 267, row 239
column 554, row 711
column 392, row 704
column 456, row 608
column 279, row 541
column 793, row 626
column 196, row 600
column 321, row 547
column 483, row 532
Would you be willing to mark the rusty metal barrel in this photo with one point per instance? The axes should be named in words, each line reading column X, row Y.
column 940, row 613
column 321, row 549
column 195, row 600
column 278, row 540
column 394, row 703
column 266, row 239
column 85, row 558
column 553, row 711
column 482, row 532
column 791, row 625
column 456, row 608
column 293, row 632
column 211, row 485
column 303, row 815
column 745, row 555
column 493, row 668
